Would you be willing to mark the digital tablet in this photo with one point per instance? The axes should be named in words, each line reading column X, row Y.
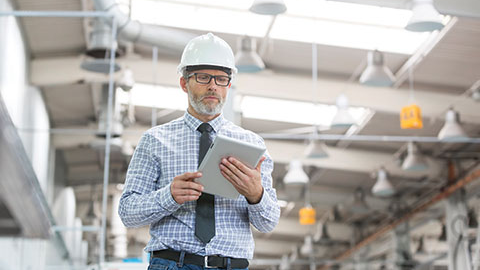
column 222, row 147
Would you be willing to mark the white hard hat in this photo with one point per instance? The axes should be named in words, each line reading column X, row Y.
column 207, row 50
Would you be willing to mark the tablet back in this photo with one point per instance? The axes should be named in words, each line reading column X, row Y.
column 212, row 179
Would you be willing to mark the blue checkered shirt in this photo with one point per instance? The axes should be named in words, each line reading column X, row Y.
column 169, row 150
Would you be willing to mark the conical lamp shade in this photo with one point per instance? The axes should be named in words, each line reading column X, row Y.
column 247, row 59
column 425, row 17
column 359, row 205
column 342, row 118
column 268, row 7
column 295, row 175
column 383, row 187
column 414, row 161
column 316, row 149
column 452, row 129
column 376, row 73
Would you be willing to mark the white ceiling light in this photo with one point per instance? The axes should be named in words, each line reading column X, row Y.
column 295, row 175
column 99, row 65
column 425, row 17
column 342, row 118
column 452, row 128
column 316, row 149
column 127, row 81
column 285, row 263
column 359, row 206
column 376, row 73
column 247, row 58
column 383, row 187
column 268, row 7
column 414, row 161
column 307, row 247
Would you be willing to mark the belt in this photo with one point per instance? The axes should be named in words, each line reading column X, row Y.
column 205, row 261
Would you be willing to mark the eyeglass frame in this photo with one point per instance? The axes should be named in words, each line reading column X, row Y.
column 211, row 76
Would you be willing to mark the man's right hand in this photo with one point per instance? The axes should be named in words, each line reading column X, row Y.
column 184, row 189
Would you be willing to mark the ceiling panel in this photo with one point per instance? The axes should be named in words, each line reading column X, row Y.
column 53, row 36
column 454, row 60
column 69, row 104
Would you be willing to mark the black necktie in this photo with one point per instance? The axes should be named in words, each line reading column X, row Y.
column 205, row 209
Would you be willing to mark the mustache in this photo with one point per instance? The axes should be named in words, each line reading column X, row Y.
column 210, row 94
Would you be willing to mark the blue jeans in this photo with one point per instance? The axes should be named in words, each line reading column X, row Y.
column 163, row 264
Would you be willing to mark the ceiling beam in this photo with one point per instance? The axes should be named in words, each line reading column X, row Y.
column 54, row 71
column 362, row 161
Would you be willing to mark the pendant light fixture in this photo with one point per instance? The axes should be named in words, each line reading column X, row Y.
column 285, row 263
column 295, row 175
column 359, row 206
column 383, row 187
column 247, row 59
column 452, row 128
column 268, row 7
column 376, row 73
column 316, row 149
column 414, row 161
column 425, row 18
column 342, row 118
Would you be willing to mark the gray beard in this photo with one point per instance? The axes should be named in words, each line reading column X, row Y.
column 201, row 108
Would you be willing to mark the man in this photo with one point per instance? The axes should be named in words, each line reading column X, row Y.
column 190, row 229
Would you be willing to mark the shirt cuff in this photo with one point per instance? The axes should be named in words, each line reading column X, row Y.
column 263, row 204
column 165, row 199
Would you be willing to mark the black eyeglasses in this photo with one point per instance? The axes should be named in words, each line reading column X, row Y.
column 205, row 78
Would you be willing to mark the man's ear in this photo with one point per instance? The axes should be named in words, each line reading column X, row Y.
column 183, row 84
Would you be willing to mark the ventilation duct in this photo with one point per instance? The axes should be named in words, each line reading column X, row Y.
column 117, row 126
column 135, row 31
column 100, row 41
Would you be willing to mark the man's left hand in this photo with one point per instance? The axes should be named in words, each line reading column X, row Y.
column 246, row 181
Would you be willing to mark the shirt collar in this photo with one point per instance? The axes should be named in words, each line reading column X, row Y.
column 193, row 123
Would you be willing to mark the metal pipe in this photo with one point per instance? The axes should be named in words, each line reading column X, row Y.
column 106, row 166
column 371, row 138
column 277, row 136
column 155, row 81
column 54, row 13
column 449, row 190
column 82, row 228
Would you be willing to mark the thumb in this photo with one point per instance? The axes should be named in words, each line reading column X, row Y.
column 259, row 165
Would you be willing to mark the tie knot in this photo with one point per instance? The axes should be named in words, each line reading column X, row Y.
column 205, row 127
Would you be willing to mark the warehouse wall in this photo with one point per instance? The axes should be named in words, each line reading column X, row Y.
column 27, row 110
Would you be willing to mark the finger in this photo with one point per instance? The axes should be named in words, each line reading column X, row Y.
column 259, row 165
column 189, row 176
column 232, row 167
column 187, row 198
column 240, row 166
column 190, row 185
column 229, row 174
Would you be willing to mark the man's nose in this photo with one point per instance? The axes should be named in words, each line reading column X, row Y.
column 212, row 85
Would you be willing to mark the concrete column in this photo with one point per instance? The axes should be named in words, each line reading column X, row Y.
column 457, row 225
